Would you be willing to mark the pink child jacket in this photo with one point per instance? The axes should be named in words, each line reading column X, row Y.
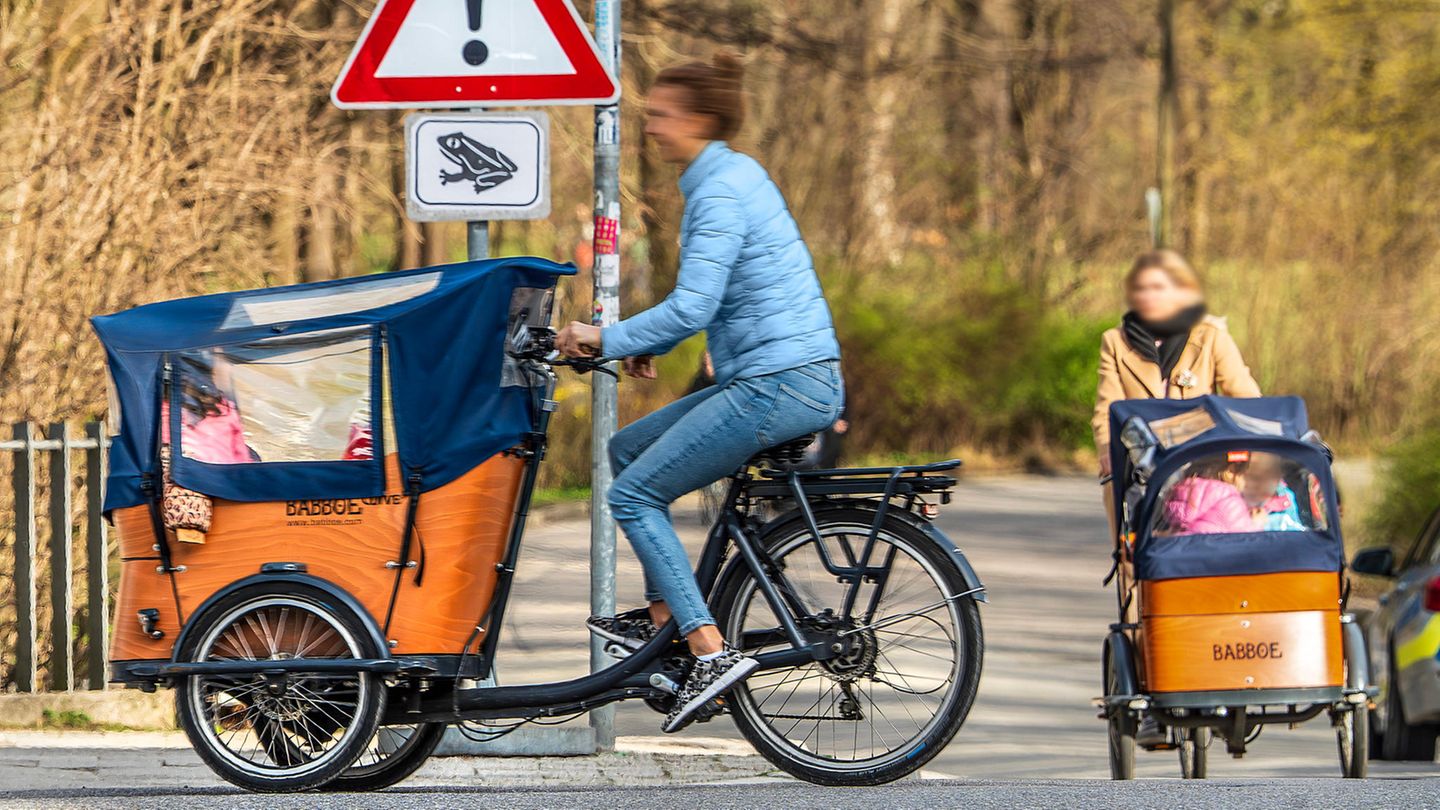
column 217, row 438
column 1207, row 506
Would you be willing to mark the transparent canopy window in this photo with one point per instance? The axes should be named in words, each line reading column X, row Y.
column 1240, row 491
column 294, row 398
column 529, row 307
column 285, row 306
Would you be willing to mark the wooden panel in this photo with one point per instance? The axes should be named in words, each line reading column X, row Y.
column 461, row 529
column 1243, row 651
column 133, row 535
column 141, row 586
column 1259, row 593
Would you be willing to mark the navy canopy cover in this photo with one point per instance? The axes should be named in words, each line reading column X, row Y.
column 441, row 332
column 1189, row 429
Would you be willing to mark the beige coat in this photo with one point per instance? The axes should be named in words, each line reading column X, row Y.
column 1210, row 364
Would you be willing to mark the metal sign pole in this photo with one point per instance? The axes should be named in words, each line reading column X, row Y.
column 605, row 311
column 477, row 241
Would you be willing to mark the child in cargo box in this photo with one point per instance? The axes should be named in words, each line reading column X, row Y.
column 210, row 431
column 1209, row 500
column 1272, row 502
column 210, row 428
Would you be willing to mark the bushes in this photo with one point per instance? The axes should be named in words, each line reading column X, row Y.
column 1408, row 488
column 939, row 357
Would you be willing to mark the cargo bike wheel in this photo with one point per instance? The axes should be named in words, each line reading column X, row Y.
column 1352, row 737
column 1194, row 750
column 1121, row 725
column 280, row 731
column 904, row 686
column 394, row 753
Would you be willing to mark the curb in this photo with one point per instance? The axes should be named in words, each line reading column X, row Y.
column 113, row 709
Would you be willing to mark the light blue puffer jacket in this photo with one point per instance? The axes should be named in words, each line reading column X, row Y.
column 746, row 278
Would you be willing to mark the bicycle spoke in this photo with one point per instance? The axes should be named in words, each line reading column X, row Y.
column 898, row 675
column 284, row 726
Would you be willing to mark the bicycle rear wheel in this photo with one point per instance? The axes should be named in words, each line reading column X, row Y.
column 901, row 691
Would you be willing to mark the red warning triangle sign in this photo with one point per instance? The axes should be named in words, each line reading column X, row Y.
column 473, row 53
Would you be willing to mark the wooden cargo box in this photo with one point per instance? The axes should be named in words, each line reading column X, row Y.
column 462, row 528
column 1266, row 631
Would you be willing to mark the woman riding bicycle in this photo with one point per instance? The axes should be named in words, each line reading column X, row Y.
column 746, row 279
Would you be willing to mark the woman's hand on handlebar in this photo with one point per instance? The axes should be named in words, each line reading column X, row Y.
column 641, row 368
column 578, row 340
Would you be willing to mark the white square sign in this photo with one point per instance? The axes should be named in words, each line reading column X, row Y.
column 477, row 166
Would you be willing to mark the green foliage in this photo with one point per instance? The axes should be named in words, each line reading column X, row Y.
column 546, row 496
column 1409, row 487
column 938, row 356
column 65, row 718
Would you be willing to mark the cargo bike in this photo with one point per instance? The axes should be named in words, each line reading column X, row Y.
column 1230, row 581
column 320, row 495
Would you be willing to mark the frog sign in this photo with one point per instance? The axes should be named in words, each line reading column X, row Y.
column 482, row 165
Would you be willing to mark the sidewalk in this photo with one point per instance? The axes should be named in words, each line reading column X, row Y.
column 60, row 760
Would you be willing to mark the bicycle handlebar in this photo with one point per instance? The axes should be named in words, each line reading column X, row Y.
column 585, row 365
column 539, row 345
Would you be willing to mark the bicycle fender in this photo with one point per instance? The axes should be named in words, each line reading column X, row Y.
column 295, row 577
column 967, row 571
column 1121, row 655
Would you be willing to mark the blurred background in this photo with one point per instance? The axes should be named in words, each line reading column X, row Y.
column 970, row 175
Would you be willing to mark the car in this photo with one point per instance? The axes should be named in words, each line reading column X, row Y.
column 1403, row 638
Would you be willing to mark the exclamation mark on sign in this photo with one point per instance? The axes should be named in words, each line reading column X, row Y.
column 475, row 51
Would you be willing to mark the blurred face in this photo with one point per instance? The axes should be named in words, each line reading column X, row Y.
column 679, row 133
column 1154, row 296
column 1261, row 483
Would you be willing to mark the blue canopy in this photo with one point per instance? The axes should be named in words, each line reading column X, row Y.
column 1183, row 430
column 280, row 394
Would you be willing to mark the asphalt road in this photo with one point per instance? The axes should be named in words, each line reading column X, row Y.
column 1301, row 794
column 1032, row 740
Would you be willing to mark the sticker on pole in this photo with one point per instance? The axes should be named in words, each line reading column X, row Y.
column 477, row 166
column 473, row 53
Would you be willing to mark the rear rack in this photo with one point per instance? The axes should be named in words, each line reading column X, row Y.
column 849, row 472
column 914, row 479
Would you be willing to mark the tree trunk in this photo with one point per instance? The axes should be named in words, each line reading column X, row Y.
column 435, row 243
column 880, row 229
column 320, row 244
column 660, row 202
column 407, row 237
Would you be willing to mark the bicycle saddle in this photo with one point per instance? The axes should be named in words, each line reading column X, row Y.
column 783, row 456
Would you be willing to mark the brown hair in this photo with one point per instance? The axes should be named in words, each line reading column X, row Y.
column 714, row 90
column 1215, row 467
column 1171, row 263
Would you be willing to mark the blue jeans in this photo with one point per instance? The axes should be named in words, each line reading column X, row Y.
column 696, row 441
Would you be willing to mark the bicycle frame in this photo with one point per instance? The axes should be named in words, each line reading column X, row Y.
column 634, row 676
column 630, row 677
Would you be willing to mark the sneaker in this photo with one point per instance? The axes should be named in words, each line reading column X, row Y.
column 1151, row 735
column 629, row 630
column 707, row 681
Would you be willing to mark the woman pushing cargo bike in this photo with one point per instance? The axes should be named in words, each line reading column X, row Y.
column 1230, row 583
column 321, row 491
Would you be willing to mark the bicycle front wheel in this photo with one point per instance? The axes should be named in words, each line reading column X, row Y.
column 904, row 686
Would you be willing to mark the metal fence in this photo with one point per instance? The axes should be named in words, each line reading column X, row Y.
column 43, row 463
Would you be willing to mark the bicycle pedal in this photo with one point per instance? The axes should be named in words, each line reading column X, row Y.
column 710, row 710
